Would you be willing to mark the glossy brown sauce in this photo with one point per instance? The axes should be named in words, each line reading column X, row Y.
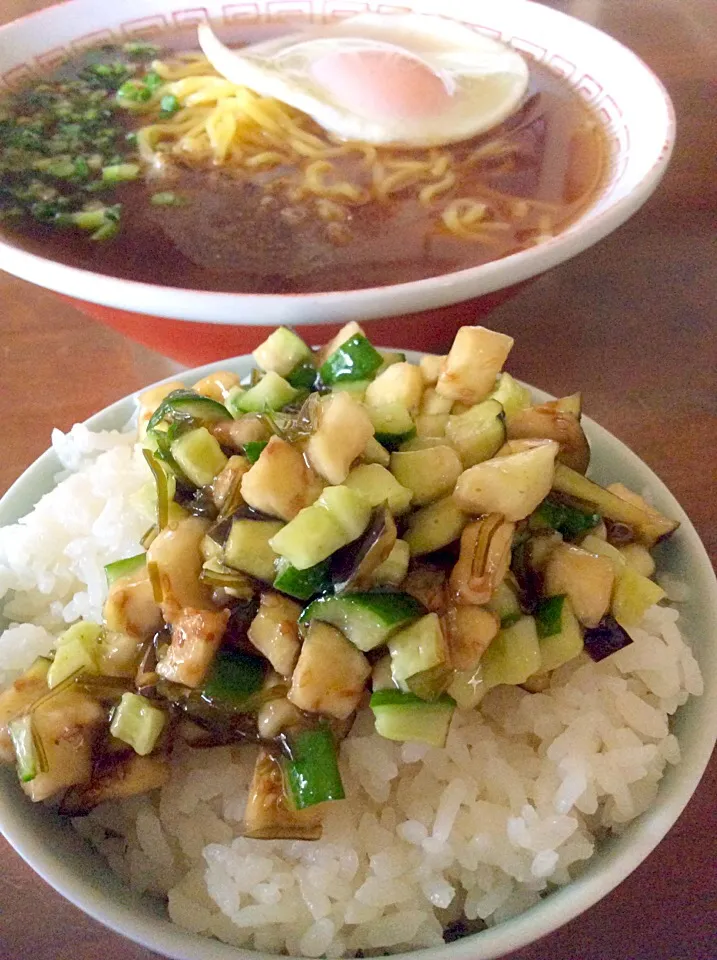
column 229, row 237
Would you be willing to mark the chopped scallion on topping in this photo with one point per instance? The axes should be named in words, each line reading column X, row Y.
column 140, row 49
column 168, row 106
column 132, row 93
column 166, row 198
column 120, row 172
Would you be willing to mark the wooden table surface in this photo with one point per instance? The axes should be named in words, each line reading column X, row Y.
column 631, row 323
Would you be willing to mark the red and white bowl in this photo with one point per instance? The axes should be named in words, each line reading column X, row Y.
column 196, row 326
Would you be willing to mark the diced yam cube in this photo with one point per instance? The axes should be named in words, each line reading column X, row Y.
column 67, row 726
column 217, row 385
column 513, row 485
column 344, row 430
column 196, row 637
column 178, row 556
column 433, row 403
column 431, row 367
column 331, row 673
column 400, row 383
column 474, row 361
column 274, row 632
column 585, row 577
column 280, row 483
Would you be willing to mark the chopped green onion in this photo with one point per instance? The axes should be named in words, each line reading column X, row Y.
column 152, row 80
column 548, row 616
column 168, row 106
column 138, row 723
column 253, row 449
column 106, row 232
column 132, row 93
column 166, row 198
column 138, row 48
column 62, row 169
column 120, row 172
column 312, row 773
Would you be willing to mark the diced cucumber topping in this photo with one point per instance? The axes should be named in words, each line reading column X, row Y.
column 548, row 616
column 123, row 568
column 504, row 602
column 429, row 474
column 312, row 536
column 233, row 678
column 312, row 774
column 632, row 596
column 559, row 633
column 393, row 424
column 366, row 619
column 405, row 717
column 478, row 433
column 513, row 656
column 339, row 516
column 199, row 455
column 416, row 653
column 510, row 394
column 253, row 448
column 567, row 520
column 303, row 377
column 77, row 652
column 272, row 392
column 356, row 388
column 392, row 572
column 355, row 359
column 23, row 742
column 348, row 507
column 248, row 547
column 188, row 406
column 302, row 584
column 138, row 723
column 435, row 526
column 389, row 358
column 282, row 352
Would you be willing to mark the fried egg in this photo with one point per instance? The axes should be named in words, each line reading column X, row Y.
column 408, row 80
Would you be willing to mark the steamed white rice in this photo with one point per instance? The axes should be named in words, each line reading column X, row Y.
column 512, row 807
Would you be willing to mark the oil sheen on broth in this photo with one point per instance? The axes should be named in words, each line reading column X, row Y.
column 236, row 231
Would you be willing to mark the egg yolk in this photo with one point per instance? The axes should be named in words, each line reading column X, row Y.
column 382, row 84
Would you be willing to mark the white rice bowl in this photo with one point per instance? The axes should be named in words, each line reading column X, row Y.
column 525, row 792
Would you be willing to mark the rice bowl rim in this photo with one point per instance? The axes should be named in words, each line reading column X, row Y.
column 58, row 855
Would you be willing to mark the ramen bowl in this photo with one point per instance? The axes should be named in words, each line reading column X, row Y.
column 58, row 854
column 193, row 325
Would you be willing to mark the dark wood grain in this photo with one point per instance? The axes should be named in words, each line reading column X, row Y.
column 631, row 323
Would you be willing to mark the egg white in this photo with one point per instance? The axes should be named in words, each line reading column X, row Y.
column 487, row 79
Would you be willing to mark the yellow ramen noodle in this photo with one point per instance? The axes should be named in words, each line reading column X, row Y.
column 222, row 124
